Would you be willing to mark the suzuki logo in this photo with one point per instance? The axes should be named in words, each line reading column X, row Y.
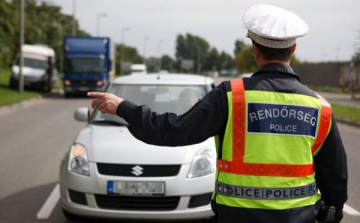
column 137, row 170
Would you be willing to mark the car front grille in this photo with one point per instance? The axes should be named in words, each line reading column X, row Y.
column 133, row 170
column 83, row 82
column 153, row 203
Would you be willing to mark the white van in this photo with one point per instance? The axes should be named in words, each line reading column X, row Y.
column 138, row 69
column 37, row 60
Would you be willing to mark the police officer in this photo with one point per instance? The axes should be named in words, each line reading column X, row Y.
column 277, row 140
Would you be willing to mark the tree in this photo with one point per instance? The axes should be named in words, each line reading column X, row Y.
column 194, row 48
column 245, row 60
column 239, row 46
column 225, row 61
column 131, row 55
column 211, row 63
column 44, row 24
column 167, row 63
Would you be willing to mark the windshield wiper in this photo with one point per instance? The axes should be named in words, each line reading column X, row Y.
column 109, row 122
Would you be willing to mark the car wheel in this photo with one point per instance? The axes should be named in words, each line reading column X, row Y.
column 68, row 95
column 69, row 216
column 13, row 84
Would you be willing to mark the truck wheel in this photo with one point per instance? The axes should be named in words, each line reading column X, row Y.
column 68, row 95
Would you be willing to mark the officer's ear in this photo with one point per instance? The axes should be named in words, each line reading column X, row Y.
column 293, row 49
column 256, row 51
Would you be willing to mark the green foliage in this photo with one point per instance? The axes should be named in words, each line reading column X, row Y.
column 347, row 112
column 212, row 60
column 245, row 60
column 10, row 96
column 192, row 47
column 167, row 63
column 328, row 89
column 5, row 77
column 44, row 24
column 239, row 46
column 198, row 50
column 130, row 55
column 356, row 58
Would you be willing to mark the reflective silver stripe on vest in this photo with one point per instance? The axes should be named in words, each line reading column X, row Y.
column 266, row 193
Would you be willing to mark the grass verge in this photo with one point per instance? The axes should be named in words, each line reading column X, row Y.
column 346, row 112
column 329, row 89
column 10, row 96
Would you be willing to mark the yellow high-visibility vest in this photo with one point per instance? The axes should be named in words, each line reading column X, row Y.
column 268, row 148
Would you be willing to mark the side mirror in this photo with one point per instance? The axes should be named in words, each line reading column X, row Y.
column 82, row 114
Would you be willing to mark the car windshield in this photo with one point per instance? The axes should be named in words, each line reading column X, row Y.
column 34, row 63
column 160, row 98
column 84, row 65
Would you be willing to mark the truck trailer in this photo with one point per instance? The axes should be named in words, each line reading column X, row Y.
column 88, row 64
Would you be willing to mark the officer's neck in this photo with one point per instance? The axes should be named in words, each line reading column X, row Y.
column 261, row 62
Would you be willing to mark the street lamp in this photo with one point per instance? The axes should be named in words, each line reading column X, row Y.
column 98, row 22
column 145, row 40
column 74, row 20
column 123, row 30
column 159, row 48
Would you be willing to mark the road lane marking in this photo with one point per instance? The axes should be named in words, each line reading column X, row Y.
column 49, row 204
column 351, row 211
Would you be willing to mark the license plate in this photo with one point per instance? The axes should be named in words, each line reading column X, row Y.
column 136, row 188
column 83, row 88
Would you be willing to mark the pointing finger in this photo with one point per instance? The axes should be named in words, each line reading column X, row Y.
column 95, row 94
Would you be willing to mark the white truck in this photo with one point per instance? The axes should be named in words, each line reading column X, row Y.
column 38, row 61
column 136, row 69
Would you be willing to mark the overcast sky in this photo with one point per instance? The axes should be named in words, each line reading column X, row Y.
column 334, row 24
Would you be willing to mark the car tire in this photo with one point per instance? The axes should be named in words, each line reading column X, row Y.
column 68, row 95
column 13, row 84
column 69, row 216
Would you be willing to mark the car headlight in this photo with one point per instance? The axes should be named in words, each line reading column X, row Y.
column 78, row 160
column 203, row 163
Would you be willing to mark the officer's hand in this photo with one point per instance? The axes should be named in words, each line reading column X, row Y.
column 105, row 102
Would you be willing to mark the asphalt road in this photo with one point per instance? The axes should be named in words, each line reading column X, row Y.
column 34, row 138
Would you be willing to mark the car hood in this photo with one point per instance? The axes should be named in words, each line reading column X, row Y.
column 108, row 144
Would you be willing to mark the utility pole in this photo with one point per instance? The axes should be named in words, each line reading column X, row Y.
column 160, row 57
column 74, row 20
column 21, row 43
column 145, row 40
column 98, row 23
column 123, row 30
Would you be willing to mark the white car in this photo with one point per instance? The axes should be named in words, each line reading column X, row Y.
column 108, row 173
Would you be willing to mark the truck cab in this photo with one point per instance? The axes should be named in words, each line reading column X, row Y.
column 87, row 64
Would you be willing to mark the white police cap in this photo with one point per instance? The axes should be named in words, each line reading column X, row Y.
column 274, row 27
